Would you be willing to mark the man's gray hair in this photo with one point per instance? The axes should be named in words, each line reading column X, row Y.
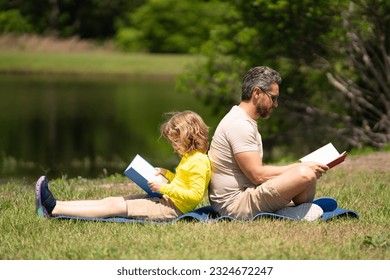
column 260, row 76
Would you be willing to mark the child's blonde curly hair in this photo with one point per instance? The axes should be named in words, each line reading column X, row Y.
column 189, row 128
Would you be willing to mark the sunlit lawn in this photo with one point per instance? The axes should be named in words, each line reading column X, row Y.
column 105, row 63
column 26, row 236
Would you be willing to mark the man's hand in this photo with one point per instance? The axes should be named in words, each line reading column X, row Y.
column 317, row 168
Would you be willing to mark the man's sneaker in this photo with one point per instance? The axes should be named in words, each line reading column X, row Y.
column 305, row 211
column 44, row 199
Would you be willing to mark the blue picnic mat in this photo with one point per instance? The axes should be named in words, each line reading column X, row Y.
column 207, row 214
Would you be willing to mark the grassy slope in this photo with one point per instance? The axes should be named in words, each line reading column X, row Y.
column 361, row 187
column 107, row 63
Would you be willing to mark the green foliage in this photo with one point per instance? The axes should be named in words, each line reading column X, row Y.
column 85, row 19
column 303, row 40
column 289, row 36
column 129, row 39
column 12, row 21
column 214, row 82
column 363, row 78
column 170, row 26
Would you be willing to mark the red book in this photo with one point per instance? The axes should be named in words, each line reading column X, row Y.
column 327, row 155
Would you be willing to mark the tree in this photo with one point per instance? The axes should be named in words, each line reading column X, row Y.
column 170, row 26
column 285, row 35
column 307, row 42
column 86, row 19
column 364, row 81
column 11, row 21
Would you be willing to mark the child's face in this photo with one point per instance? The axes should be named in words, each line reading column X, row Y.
column 178, row 146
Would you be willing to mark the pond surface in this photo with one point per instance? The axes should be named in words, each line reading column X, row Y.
column 89, row 127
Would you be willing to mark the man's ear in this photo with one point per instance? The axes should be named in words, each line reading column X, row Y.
column 256, row 93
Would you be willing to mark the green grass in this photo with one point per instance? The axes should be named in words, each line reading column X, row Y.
column 94, row 63
column 26, row 236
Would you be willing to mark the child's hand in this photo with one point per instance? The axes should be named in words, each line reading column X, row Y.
column 155, row 186
column 161, row 171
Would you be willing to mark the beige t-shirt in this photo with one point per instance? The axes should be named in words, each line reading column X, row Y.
column 236, row 133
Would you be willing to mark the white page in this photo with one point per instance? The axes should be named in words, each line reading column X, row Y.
column 323, row 155
column 146, row 169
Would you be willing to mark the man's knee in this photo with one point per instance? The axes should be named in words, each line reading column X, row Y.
column 306, row 174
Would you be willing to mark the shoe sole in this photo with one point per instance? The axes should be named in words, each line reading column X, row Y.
column 39, row 208
column 305, row 211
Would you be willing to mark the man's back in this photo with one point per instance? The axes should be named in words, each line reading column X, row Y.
column 236, row 133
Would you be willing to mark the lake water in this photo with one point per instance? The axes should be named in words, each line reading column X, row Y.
column 83, row 126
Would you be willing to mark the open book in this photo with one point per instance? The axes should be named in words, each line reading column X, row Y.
column 141, row 172
column 327, row 155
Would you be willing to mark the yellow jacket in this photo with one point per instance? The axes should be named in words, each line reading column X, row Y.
column 188, row 186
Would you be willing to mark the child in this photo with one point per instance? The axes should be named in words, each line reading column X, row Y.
column 189, row 137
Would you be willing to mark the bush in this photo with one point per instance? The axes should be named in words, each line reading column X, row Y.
column 12, row 21
column 170, row 26
column 128, row 39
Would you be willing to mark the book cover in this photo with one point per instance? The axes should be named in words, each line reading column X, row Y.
column 327, row 155
column 141, row 172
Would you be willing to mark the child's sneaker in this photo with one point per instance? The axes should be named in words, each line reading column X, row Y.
column 305, row 211
column 44, row 199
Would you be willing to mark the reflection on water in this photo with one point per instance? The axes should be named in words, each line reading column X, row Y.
column 85, row 127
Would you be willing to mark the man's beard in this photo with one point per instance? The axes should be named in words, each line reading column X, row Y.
column 263, row 111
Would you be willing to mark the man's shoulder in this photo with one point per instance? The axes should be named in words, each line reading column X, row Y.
column 235, row 115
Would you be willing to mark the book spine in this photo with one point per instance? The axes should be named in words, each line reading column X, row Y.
column 141, row 182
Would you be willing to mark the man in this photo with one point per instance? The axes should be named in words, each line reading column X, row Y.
column 241, row 185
